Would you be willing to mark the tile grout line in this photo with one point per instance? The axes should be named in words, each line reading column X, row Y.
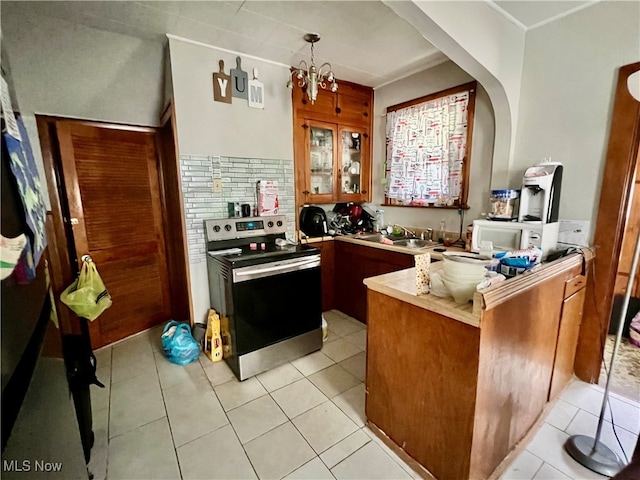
column 166, row 414
column 540, row 468
column 228, row 419
column 106, row 467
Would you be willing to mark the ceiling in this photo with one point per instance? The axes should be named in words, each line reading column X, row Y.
column 365, row 41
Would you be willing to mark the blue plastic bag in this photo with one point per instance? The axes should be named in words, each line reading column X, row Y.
column 179, row 345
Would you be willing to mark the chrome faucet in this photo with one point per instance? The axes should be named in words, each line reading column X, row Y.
column 427, row 234
column 407, row 232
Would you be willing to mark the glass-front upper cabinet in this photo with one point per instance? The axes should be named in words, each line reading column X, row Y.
column 351, row 153
column 354, row 164
column 338, row 167
column 321, row 160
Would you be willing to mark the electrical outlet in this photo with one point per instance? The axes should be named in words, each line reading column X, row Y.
column 217, row 185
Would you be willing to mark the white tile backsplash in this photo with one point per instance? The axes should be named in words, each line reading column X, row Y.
column 239, row 177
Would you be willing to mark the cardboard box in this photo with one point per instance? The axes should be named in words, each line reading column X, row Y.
column 267, row 193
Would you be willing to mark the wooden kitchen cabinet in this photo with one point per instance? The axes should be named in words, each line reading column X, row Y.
column 332, row 145
column 327, row 262
column 354, row 263
column 568, row 332
column 468, row 382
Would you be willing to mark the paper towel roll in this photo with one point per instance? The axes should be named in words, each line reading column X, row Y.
column 423, row 263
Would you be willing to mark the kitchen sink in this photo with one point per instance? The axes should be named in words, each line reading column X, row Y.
column 371, row 237
column 398, row 240
column 415, row 243
column 376, row 237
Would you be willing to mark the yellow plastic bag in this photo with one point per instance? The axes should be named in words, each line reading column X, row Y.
column 87, row 296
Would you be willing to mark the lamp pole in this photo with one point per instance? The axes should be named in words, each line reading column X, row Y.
column 589, row 451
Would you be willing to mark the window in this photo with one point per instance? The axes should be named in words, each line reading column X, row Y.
column 428, row 144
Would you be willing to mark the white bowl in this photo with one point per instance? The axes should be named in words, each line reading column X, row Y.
column 465, row 257
column 461, row 293
column 437, row 285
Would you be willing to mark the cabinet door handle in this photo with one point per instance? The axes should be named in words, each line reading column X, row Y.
column 306, row 192
column 366, row 114
column 365, row 135
column 304, row 125
column 363, row 191
column 338, row 110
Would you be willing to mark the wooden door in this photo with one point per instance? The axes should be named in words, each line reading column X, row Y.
column 629, row 238
column 111, row 182
column 615, row 195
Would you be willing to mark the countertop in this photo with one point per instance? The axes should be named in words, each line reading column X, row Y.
column 392, row 248
column 402, row 285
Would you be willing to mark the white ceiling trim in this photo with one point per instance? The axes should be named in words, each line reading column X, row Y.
column 506, row 14
column 541, row 23
column 438, row 59
column 232, row 52
column 564, row 14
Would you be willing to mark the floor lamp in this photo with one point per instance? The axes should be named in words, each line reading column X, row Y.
column 589, row 451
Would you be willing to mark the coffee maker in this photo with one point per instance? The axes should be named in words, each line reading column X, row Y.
column 540, row 194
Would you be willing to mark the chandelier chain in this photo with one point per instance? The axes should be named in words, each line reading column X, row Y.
column 313, row 62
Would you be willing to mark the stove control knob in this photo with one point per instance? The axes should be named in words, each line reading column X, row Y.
column 227, row 227
column 216, row 228
column 279, row 223
column 270, row 224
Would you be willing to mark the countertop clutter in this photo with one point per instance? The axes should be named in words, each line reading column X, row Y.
column 436, row 250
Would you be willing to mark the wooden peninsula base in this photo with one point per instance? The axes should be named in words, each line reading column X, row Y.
column 456, row 387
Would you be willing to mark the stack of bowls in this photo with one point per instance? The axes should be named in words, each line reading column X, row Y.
column 461, row 273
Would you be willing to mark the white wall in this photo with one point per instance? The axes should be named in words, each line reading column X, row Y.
column 206, row 127
column 233, row 130
column 567, row 71
column 66, row 69
column 568, row 84
column 439, row 78
column 69, row 70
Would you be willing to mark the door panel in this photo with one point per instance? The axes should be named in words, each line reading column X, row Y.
column 111, row 179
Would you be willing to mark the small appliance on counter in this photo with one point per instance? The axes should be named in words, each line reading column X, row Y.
column 360, row 219
column 540, row 196
column 313, row 221
column 504, row 205
column 537, row 224
column 508, row 236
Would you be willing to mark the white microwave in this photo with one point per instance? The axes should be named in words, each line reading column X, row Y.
column 506, row 236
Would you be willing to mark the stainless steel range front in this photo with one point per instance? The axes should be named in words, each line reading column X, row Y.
column 268, row 295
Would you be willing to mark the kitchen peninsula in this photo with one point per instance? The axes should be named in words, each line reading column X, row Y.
column 457, row 387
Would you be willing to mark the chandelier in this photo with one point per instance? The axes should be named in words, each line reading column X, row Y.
column 310, row 76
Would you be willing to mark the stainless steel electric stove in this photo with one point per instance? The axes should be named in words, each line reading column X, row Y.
column 266, row 290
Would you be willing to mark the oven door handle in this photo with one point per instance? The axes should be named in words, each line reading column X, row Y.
column 250, row 273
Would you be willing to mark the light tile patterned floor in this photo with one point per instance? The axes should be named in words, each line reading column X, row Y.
column 303, row 420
